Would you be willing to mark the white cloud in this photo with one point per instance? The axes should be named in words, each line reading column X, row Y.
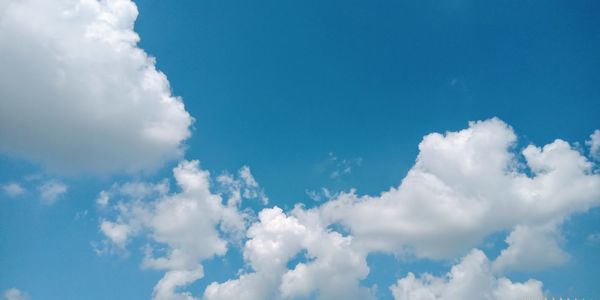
column 594, row 143
column 51, row 190
column 191, row 225
column 166, row 288
column 13, row 189
column 103, row 199
column 117, row 233
column 273, row 241
column 244, row 186
column 333, row 269
column 323, row 194
column 78, row 94
column 15, row 294
column 531, row 248
column 464, row 186
column 472, row 278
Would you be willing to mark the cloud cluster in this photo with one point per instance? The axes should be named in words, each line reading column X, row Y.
column 464, row 186
column 49, row 190
column 78, row 94
column 472, row 278
column 193, row 224
column 467, row 185
column 332, row 268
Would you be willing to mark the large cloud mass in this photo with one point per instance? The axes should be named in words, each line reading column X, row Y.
column 467, row 185
column 77, row 94
column 464, row 186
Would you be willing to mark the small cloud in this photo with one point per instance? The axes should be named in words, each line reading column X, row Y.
column 116, row 232
column 81, row 215
column 594, row 144
column 103, row 199
column 313, row 195
column 323, row 195
column 15, row 294
column 242, row 186
column 51, row 190
column 13, row 189
column 339, row 167
column 594, row 238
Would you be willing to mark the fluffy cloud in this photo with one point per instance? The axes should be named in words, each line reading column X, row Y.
column 333, row 269
column 51, row 190
column 103, row 199
column 466, row 185
column 472, row 278
column 531, row 248
column 78, row 94
column 193, row 225
column 594, row 143
column 13, row 189
column 15, row 294
column 463, row 187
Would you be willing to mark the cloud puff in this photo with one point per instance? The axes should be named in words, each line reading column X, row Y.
column 466, row 185
column 333, row 269
column 78, row 94
column 192, row 225
column 51, row 190
column 13, row 189
column 15, row 294
column 594, row 143
column 532, row 248
column 472, row 278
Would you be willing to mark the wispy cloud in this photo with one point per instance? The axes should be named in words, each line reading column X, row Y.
column 51, row 190
column 13, row 189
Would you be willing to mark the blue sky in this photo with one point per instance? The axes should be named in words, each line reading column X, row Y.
column 317, row 98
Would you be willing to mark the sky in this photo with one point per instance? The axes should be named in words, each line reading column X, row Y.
column 270, row 149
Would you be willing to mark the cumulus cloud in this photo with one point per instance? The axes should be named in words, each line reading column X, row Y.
column 192, row 225
column 531, row 248
column 464, row 186
column 13, row 189
column 51, row 190
column 103, row 199
column 15, row 294
column 471, row 278
column 333, row 269
column 78, row 94
column 594, row 143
